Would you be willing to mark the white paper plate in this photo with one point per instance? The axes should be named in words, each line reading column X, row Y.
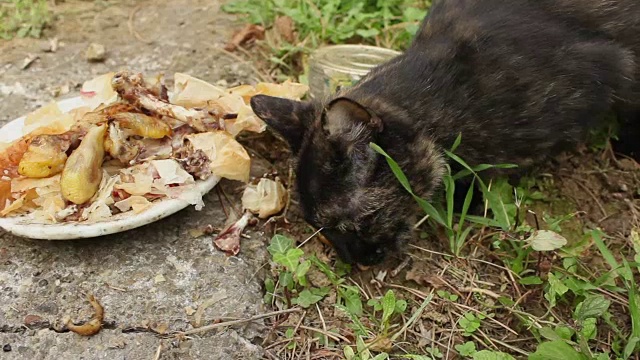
column 160, row 209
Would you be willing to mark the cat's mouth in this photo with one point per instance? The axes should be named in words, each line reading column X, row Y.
column 352, row 250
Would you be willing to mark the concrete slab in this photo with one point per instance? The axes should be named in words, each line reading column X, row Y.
column 152, row 278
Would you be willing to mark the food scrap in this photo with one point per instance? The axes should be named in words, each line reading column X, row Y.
column 131, row 144
column 267, row 198
column 228, row 240
column 91, row 327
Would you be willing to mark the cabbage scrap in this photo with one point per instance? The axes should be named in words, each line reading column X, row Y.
column 265, row 199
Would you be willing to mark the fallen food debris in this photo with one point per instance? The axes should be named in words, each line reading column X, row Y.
column 229, row 239
column 91, row 327
column 266, row 198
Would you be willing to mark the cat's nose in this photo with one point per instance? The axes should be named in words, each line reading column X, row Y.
column 372, row 259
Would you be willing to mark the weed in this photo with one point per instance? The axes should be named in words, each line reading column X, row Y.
column 23, row 18
column 391, row 22
column 572, row 285
column 387, row 23
column 456, row 231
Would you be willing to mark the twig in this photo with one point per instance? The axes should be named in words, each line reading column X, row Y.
column 451, row 256
column 414, row 317
column 295, row 330
column 237, row 322
column 481, row 291
column 419, row 223
column 283, row 341
column 511, row 347
column 415, row 292
column 324, row 324
column 335, row 337
column 593, row 196
column 115, row 287
column 224, row 209
column 238, row 58
column 400, row 267
column 157, row 357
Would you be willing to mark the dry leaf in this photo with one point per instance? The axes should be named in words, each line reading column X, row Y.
column 249, row 33
column 285, row 27
column 22, row 184
column 246, row 91
column 28, row 61
column 546, row 240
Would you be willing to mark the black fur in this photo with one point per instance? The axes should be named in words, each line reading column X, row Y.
column 521, row 80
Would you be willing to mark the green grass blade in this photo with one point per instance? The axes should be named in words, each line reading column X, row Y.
column 414, row 317
column 397, row 171
column 402, row 178
column 450, row 189
column 460, row 240
column 606, row 253
column 456, row 143
column 483, row 221
column 634, row 303
column 467, row 202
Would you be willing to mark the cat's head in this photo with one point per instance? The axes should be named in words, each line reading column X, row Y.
column 345, row 187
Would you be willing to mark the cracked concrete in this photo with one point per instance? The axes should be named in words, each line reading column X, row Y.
column 150, row 280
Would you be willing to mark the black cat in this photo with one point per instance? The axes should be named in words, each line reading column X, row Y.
column 520, row 80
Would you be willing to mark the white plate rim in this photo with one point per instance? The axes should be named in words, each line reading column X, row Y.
column 24, row 227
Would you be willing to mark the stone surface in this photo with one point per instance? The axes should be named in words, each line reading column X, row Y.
column 114, row 345
column 154, row 277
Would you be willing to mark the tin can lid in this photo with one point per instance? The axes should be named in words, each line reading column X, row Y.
column 351, row 59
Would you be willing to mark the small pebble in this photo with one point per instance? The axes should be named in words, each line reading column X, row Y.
column 6, row 347
column 95, row 52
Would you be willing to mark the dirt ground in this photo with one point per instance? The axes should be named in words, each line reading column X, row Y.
column 48, row 280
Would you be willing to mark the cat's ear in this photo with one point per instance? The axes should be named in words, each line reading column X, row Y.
column 354, row 127
column 348, row 119
column 287, row 117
